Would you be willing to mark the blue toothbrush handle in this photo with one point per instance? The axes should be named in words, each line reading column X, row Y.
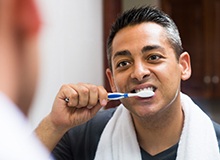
column 117, row 96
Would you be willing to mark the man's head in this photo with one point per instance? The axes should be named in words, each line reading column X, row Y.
column 141, row 15
column 145, row 53
column 19, row 25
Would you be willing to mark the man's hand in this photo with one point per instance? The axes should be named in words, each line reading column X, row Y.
column 74, row 104
column 84, row 101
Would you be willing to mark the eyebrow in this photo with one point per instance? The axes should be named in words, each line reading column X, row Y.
column 143, row 50
column 122, row 53
column 150, row 48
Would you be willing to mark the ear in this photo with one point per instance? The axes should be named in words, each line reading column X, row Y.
column 110, row 79
column 185, row 66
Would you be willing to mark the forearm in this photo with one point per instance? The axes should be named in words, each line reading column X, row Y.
column 48, row 134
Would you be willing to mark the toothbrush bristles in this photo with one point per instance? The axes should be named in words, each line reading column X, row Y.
column 145, row 93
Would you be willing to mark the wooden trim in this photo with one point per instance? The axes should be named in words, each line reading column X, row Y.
column 111, row 9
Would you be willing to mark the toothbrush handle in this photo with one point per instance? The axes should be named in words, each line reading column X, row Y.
column 117, row 96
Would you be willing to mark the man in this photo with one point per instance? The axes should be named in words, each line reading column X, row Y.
column 144, row 52
column 19, row 25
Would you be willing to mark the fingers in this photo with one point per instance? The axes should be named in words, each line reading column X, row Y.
column 103, row 96
column 93, row 96
column 84, row 95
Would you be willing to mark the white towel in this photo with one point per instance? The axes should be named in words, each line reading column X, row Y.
column 197, row 142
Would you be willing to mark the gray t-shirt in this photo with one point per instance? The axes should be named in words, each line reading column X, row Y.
column 80, row 143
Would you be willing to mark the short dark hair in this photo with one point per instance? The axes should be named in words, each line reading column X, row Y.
column 145, row 14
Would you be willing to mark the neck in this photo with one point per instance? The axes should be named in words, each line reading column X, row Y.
column 158, row 133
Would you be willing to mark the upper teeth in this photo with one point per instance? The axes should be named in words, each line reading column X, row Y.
column 144, row 89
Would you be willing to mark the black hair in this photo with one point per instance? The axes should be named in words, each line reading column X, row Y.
column 145, row 14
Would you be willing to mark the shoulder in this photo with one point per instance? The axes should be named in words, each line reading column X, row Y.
column 88, row 134
column 217, row 131
column 97, row 124
column 99, row 121
column 102, row 116
column 81, row 142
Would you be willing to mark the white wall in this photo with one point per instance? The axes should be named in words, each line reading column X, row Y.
column 71, row 49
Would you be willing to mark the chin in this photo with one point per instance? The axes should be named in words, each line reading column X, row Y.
column 143, row 111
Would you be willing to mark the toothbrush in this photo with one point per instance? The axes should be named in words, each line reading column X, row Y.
column 142, row 94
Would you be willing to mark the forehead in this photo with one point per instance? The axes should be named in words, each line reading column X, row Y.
column 137, row 36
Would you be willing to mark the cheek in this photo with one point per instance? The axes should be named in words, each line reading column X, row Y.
column 170, row 78
column 169, row 74
column 170, row 71
column 32, row 63
column 33, row 71
column 121, row 82
column 30, row 72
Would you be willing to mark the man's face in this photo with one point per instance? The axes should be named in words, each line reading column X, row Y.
column 25, row 44
column 29, row 68
column 142, row 57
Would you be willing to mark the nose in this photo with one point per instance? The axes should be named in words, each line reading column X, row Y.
column 140, row 71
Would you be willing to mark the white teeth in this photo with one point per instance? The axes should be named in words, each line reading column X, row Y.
column 145, row 89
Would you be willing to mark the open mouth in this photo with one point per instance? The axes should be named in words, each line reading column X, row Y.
column 151, row 88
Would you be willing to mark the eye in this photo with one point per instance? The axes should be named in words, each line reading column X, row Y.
column 123, row 64
column 154, row 57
